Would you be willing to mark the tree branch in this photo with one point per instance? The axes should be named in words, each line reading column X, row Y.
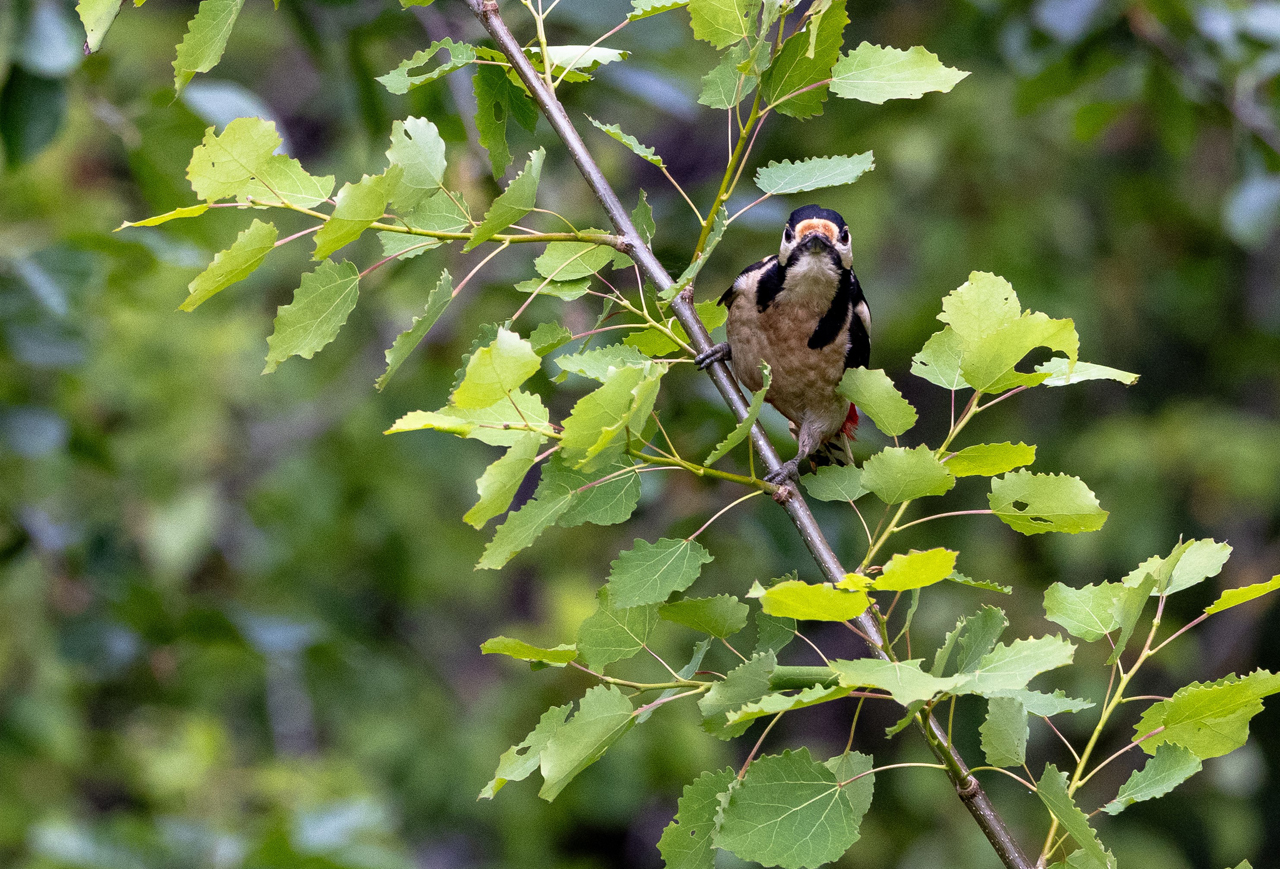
column 971, row 793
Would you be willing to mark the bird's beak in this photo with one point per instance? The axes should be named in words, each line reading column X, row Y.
column 816, row 241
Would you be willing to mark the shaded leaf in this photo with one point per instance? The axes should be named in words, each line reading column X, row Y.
column 233, row 264
column 743, row 428
column 319, row 308
column 1170, row 767
column 520, row 760
column 686, row 842
column 772, row 704
column 501, row 480
column 416, row 147
column 512, row 204
column 835, row 483
column 1010, row 667
column 1052, row 790
column 1045, row 705
column 720, row 616
column 873, row 74
column 603, row 715
column 399, row 80
column 599, row 362
column 744, row 684
column 612, row 634
column 498, row 99
column 1004, row 732
column 874, row 394
column 1090, row 612
column 567, row 260
column 206, row 38
column 791, row 83
column 409, row 339
column 631, row 142
column 567, row 290
column 904, row 680
column 650, row 572
column 725, row 86
column 547, row 337
column 436, row 213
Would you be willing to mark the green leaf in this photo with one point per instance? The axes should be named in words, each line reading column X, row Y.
column 642, row 218
column 873, row 74
column 233, row 264
column 916, row 570
column 746, row 683
column 601, row 362
column 773, row 633
column 632, row 143
column 1201, row 560
column 1209, row 720
column 805, row 60
column 1010, row 667
column 688, row 671
column 436, row 213
column 835, row 483
column 723, row 22
column 603, row 715
column 904, row 680
column 499, row 425
column 519, row 531
column 1036, row 503
column 522, row 651
column 989, row 460
column 1170, row 767
column 502, row 479
column 743, row 428
column 567, row 290
column 575, row 59
column 320, row 306
column 690, row 273
column 789, row 811
column 242, row 163
column 512, row 204
column 897, row 474
column 498, row 99
column 520, row 760
column 825, row 603
column 409, row 339
column 645, row 8
column 940, row 359
column 594, row 432
column 984, row 584
column 569, row 260
column 1061, row 372
column 686, row 842
column 206, row 39
column 1090, row 612
column 1045, row 705
column 399, row 80
column 725, row 86
column 850, row 765
column 1004, row 732
column 1128, row 609
column 495, row 371
column 356, row 207
column 1052, row 790
column 96, row 16
column 547, row 337
column 606, row 503
column 975, row 635
column 177, row 213
column 772, row 704
column 614, row 634
column 813, row 174
column 1236, row 596
column 416, row 147
column 874, row 394
column 649, row 572
column 720, row 616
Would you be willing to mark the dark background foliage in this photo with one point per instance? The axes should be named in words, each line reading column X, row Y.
column 240, row 627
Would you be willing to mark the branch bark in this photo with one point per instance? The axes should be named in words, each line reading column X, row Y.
column 967, row 787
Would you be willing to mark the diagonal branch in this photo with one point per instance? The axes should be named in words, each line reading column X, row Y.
column 971, row 793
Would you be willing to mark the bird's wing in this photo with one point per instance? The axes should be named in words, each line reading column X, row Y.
column 859, row 352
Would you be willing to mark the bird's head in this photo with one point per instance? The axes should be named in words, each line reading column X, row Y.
column 815, row 231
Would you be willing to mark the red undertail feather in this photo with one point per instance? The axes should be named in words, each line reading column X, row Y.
column 850, row 423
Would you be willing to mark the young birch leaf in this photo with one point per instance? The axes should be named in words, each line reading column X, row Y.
column 813, row 174
column 1087, row 612
column 206, row 39
column 742, row 429
column 686, row 842
column 897, row 474
column 225, row 165
column 1170, row 767
column 789, row 811
column 725, row 86
column 1036, row 503
column 409, row 339
column 874, row 394
column 904, row 680
column 594, row 431
column 356, row 207
column 176, row 214
column 649, row 572
column 522, row 651
column 1004, row 732
column 805, row 60
column 873, row 74
column 803, row 601
column 1209, row 720
column 499, row 425
column 96, row 16
column 1061, row 372
column 494, row 371
column 989, row 460
column 512, row 204
column 520, row 760
column 399, row 81
column 233, row 264
column 598, row 363
column 319, row 308
column 940, row 359
column 498, row 99
column 745, row 684
column 916, row 570
column 835, row 483
column 500, row 481
column 720, row 616
column 416, row 147
column 603, row 715
column 723, row 22
column 1010, row 667
column 612, row 634
column 772, row 704
column 1052, row 790
column 614, row 132
column 1236, row 596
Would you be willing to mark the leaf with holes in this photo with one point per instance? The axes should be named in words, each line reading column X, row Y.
column 520, row 760
column 1036, row 503
column 498, row 100
column 686, row 842
column 399, row 80
column 416, row 147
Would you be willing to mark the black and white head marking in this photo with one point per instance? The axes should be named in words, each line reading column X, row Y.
column 815, row 230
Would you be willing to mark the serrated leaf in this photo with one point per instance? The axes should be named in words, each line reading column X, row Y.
column 1201, row 560
column 1045, row 705
column 512, row 204
column 743, row 428
column 773, row 633
column 809, row 602
column 835, row 483
column 975, row 635
column 631, row 142
column 574, row 59
column 1010, row 667
column 897, row 474
column 688, row 671
column 409, row 339
column 567, row 290
column 650, row 572
column 1061, row 372
column 416, row 147
column 791, row 83
column 242, row 163
column 590, row 500
column 599, row 362
column 436, row 213
column 772, row 704
column 722, row 22
column 1210, row 719
column 1088, row 612
column 904, row 680
column 176, row 214
column 594, row 432
column 520, row 760
column 96, row 16
column 1004, row 732
column 206, row 38
column 989, row 460
column 320, row 306
column 547, row 337
column 744, row 684
column 686, row 842
column 1036, row 503
column 940, row 359
column 356, row 207
column 603, row 715
column 984, row 584
column 876, row 396
column 519, row 531
column 399, row 80
column 720, row 616
column 498, row 100
column 687, row 277
column 499, row 425
column 233, row 264
column 1052, row 790
column 725, row 86
column 873, row 74
column 916, row 570
column 493, row 372
column 1236, row 596
column 645, row 8
column 613, row 634
column 522, row 651
column 1170, row 767
column 570, row 260
column 501, row 480
column 1128, row 608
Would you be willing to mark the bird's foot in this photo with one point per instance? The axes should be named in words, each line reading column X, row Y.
column 718, row 353
column 786, row 479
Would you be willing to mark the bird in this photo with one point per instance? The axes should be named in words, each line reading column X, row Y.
column 804, row 313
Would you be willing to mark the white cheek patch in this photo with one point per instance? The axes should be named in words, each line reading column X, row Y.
column 864, row 314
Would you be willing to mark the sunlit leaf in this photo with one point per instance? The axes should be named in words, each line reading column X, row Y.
column 494, row 371
column 904, row 680
column 873, row 74
column 522, row 651
column 176, row 214
column 1210, row 719
column 813, row 602
column 416, row 147
column 409, row 339
column 898, row 474
column 1061, row 372
column 940, row 359
column 725, row 86
column 916, row 570
column 501, row 480
column 206, row 39
column 1010, row 667
column 645, row 8
column 568, row 260
column 96, row 16
column 723, row 22
column 772, row 704
column 594, row 432
column 598, row 362
column 1236, row 596
column 357, row 206
column 1004, row 732
column 1036, row 503
column 233, row 264
column 876, row 396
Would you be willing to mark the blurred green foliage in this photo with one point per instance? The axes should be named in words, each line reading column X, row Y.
column 239, row 627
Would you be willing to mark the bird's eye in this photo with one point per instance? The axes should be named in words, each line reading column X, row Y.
column 844, row 235
column 788, row 236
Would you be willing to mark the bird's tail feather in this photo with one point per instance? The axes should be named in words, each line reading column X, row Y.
column 838, row 450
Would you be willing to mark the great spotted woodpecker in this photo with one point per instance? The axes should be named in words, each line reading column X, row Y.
column 802, row 312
